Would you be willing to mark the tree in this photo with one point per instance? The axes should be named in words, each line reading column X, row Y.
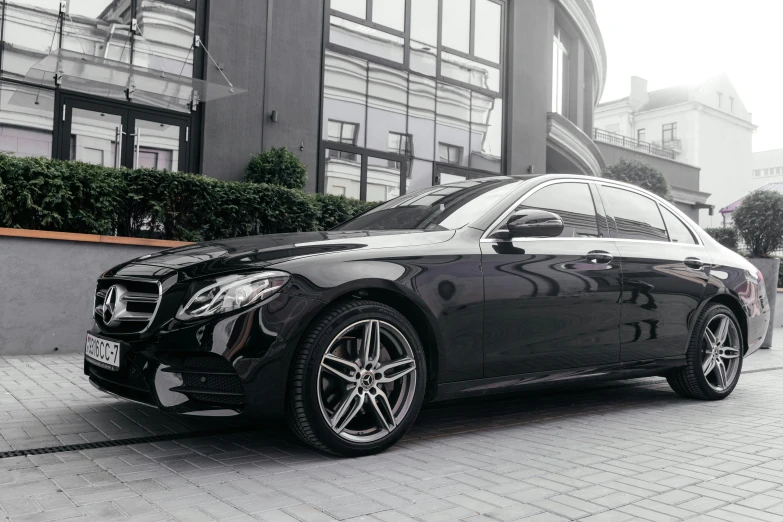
column 759, row 222
column 277, row 167
column 639, row 174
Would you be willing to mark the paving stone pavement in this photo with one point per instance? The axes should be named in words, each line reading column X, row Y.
column 627, row 451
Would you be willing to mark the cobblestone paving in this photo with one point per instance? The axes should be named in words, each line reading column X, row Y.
column 633, row 451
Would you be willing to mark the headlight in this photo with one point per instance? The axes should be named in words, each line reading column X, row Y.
column 229, row 293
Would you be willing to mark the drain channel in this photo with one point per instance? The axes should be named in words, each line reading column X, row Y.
column 229, row 431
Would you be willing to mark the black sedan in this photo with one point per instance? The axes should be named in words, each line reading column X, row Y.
column 471, row 288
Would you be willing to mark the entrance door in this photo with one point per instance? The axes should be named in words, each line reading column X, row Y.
column 113, row 135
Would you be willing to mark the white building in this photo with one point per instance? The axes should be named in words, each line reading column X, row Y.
column 706, row 125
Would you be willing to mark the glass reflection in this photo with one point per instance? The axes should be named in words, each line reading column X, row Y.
column 456, row 25
column 453, row 119
column 366, row 39
column 424, row 21
column 390, row 13
column 421, row 116
column 99, row 28
column 419, row 175
column 383, row 179
column 470, row 72
column 387, row 102
column 486, row 129
column 30, row 33
column 342, row 174
column 168, row 32
column 156, row 145
column 26, row 120
column 345, row 93
column 423, row 58
column 357, row 8
column 488, row 30
column 95, row 138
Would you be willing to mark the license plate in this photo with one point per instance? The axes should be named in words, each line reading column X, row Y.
column 102, row 352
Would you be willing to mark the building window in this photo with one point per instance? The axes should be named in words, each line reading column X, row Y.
column 669, row 132
column 641, row 135
column 560, row 49
column 408, row 80
column 720, row 99
column 399, row 144
column 343, row 132
column 450, row 154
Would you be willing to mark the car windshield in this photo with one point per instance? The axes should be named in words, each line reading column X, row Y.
column 444, row 207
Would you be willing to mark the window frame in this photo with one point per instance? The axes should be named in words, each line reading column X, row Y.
column 641, row 135
column 672, row 128
column 361, row 154
column 661, row 208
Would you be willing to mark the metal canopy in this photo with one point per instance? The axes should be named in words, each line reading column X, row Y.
column 97, row 75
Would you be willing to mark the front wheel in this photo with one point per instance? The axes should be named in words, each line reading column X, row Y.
column 714, row 358
column 358, row 380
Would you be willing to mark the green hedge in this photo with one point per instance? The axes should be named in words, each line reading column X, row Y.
column 69, row 196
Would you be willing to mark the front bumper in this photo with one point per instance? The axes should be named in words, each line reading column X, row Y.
column 234, row 365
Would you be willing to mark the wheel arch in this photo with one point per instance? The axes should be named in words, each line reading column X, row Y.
column 733, row 304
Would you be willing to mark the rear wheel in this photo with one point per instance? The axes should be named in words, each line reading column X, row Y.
column 714, row 358
column 358, row 380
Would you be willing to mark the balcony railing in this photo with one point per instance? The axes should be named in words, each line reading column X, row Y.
column 633, row 144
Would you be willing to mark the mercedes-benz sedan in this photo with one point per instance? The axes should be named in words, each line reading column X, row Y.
column 472, row 288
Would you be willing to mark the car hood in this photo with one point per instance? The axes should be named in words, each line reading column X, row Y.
column 255, row 252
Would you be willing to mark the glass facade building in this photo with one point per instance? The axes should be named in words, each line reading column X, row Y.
column 378, row 97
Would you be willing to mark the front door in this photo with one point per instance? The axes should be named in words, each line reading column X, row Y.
column 664, row 274
column 114, row 135
column 553, row 303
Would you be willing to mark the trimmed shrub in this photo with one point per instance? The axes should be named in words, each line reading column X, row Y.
column 726, row 236
column 639, row 174
column 759, row 222
column 277, row 167
column 69, row 196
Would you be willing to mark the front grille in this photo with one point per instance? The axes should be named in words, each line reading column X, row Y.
column 127, row 382
column 210, row 379
column 134, row 303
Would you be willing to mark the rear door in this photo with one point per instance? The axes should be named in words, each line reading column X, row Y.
column 552, row 303
column 664, row 274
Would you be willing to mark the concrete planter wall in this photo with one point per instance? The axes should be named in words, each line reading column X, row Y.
column 769, row 269
column 47, row 284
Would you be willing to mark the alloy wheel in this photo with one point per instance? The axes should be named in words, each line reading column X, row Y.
column 366, row 381
column 721, row 352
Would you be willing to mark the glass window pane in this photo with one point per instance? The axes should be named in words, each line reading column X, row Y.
column 156, row 145
column 94, row 32
column 356, row 8
column 387, row 104
column 421, row 116
column 572, row 202
column 390, row 13
column 456, row 25
column 453, row 119
column 383, row 179
column 342, row 174
column 488, row 30
column 424, row 21
column 636, row 216
column 30, row 33
column 678, row 232
column 423, row 58
column 345, row 94
column 419, row 175
column 168, row 32
column 96, row 138
column 468, row 71
column 486, row 132
column 366, row 39
column 26, row 119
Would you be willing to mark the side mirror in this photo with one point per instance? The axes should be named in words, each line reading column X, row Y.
column 534, row 223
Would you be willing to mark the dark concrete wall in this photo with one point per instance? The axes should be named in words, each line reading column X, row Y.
column 236, row 35
column 47, row 288
column 676, row 173
column 293, row 82
column 528, row 95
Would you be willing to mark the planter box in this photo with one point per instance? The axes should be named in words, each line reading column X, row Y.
column 768, row 266
column 47, row 280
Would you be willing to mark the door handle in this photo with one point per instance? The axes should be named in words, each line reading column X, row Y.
column 599, row 256
column 694, row 263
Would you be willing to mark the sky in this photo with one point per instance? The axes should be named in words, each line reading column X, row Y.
column 684, row 42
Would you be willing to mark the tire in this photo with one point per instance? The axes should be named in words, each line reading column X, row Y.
column 346, row 400
column 701, row 377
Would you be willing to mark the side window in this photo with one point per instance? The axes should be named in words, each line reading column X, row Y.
column 572, row 202
column 636, row 216
column 678, row 232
